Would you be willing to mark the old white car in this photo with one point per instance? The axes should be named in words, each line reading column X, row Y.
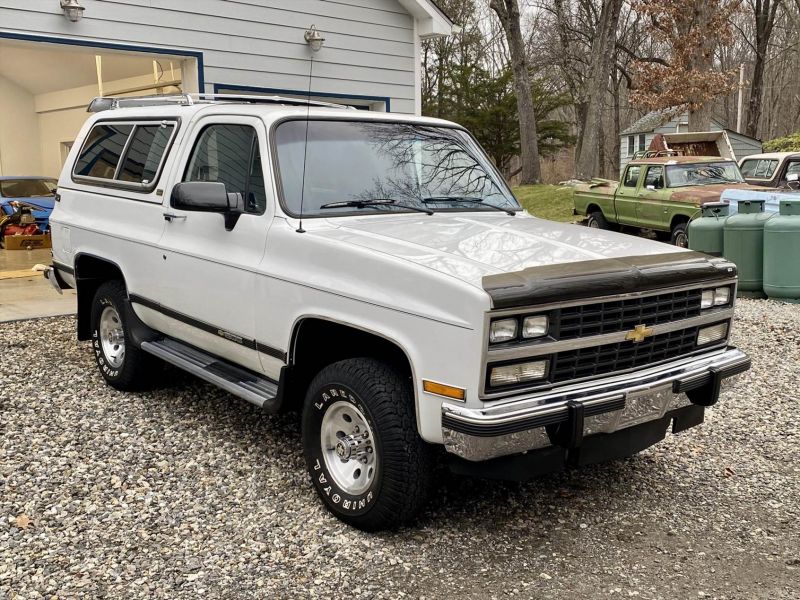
column 374, row 272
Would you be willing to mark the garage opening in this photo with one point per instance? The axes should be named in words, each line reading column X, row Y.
column 46, row 87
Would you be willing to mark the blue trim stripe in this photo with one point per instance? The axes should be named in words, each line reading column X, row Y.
column 201, row 80
column 263, row 90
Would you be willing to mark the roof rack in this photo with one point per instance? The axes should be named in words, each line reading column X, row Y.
column 103, row 103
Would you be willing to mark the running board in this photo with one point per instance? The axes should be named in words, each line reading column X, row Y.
column 239, row 382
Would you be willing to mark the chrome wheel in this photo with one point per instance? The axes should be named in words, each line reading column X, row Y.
column 348, row 448
column 112, row 337
column 592, row 223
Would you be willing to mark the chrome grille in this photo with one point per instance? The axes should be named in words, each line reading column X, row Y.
column 599, row 360
column 621, row 315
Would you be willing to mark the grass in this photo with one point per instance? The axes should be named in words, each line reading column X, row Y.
column 553, row 202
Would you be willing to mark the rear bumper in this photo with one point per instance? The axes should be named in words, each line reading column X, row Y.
column 564, row 417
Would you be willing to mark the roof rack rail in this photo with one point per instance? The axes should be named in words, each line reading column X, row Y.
column 103, row 103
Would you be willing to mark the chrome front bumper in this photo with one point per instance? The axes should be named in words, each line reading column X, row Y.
column 564, row 416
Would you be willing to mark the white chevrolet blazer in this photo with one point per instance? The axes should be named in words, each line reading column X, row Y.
column 375, row 273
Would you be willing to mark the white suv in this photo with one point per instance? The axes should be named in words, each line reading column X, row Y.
column 375, row 272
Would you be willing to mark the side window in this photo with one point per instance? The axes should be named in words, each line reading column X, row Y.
column 793, row 168
column 102, row 150
column 642, row 140
column 144, row 146
column 632, row 176
column 631, row 145
column 654, row 177
column 749, row 167
column 145, row 152
column 230, row 154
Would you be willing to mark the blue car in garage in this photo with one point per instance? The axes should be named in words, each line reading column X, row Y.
column 36, row 193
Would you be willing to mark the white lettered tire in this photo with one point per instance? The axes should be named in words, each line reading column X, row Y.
column 362, row 450
column 123, row 365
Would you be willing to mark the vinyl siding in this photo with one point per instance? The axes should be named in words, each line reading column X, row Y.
column 369, row 47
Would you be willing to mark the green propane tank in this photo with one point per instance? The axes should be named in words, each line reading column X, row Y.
column 706, row 232
column 781, row 252
column 743, row 242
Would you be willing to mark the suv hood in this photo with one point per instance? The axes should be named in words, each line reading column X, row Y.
column 470, row 246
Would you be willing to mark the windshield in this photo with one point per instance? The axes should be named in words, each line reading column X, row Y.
column 703, row 174
column 27, row 188
column 358, row 166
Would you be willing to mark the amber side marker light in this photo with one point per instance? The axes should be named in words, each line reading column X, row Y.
column 448, row 391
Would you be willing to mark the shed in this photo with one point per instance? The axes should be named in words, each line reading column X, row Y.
column 640, row 135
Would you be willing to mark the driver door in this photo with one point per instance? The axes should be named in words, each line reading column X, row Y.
column 207, row 283
column 651, row 209
column 626, row 196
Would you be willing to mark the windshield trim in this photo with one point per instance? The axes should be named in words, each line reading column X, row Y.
column 273, row 148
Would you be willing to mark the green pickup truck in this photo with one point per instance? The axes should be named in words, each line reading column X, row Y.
column 661, row 194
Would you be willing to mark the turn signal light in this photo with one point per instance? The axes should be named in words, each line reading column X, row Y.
column 440, row 389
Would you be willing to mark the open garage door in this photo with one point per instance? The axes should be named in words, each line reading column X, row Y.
column 46, row 87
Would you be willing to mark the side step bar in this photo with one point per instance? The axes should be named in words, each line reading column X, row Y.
column 239, row 382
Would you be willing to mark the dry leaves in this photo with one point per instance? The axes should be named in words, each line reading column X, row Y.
column 22, row 521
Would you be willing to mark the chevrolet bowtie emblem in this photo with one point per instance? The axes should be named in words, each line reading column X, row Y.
column 639, row 333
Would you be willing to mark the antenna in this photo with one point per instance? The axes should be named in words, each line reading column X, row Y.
column 314, row 40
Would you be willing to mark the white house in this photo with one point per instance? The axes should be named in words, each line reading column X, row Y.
column 52, row 65
column 640, row 135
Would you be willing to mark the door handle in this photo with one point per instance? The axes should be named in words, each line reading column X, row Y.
column 173, row 217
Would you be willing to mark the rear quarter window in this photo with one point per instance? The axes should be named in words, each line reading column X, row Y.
column 127, row 155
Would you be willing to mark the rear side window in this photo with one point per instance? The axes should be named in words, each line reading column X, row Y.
column 632, row 176
column 102, row 150
column 147, row 147
column 230, row 154
column 128, row 154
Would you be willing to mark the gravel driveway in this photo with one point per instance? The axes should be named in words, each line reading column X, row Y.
column 188, row 492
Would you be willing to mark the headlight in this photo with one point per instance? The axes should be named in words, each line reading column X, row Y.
column 534, row 327
column 503, row 331
column 715, row 333
column 715, row 297
column 519, row 373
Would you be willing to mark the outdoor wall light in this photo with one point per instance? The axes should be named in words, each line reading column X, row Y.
column 72, row 10
column 314, row 39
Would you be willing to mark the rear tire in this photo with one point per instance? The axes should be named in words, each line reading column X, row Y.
column 366, row 460
column 597, row 220
column 679, row 237
column 123, row 365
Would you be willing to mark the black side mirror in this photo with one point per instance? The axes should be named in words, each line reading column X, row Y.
column 208, row 196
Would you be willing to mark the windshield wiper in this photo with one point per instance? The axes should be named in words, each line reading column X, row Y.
column 374, row 202
column 468, row 199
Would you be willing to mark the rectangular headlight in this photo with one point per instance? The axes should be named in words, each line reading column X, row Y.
column 715, row 333
column 503, row 330
column 715, row 297
column 722, row 296
column 535, row 327
column 519, row 373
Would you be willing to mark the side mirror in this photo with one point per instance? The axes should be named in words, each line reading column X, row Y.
column 651, row 187
column 793, row 177
column 206, row 196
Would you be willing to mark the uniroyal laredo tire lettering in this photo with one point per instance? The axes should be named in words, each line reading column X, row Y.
column 338, row 497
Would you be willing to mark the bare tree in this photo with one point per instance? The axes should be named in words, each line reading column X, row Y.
column 508, row 13
column 602, row 63
column 764, row 12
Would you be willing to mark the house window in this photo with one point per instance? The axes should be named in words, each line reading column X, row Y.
column 641, row 142
column 631, row 145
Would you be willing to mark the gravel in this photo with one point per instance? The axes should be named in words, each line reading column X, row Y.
column 187, row 492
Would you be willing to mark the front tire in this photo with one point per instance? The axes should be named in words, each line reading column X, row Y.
column 123, row 365
column 367, row 462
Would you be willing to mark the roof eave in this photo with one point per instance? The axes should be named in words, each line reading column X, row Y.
column 432, row 22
